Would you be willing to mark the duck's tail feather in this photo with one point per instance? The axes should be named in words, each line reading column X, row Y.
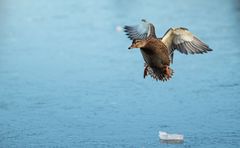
column 158, row 73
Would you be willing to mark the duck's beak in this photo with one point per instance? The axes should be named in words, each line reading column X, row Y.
column 130, row 47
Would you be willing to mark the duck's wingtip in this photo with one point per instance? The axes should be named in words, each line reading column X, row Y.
column 119, row 29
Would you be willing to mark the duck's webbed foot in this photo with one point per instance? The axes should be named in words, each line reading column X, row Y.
column 168, row 73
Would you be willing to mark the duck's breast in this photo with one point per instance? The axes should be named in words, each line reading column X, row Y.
column 151, row 58
column 155, row 56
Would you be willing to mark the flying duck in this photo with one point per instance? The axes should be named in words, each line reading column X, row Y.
column 158, row 52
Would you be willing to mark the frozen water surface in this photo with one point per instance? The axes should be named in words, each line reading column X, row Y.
column 67, row 78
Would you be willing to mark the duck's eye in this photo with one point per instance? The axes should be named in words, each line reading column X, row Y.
column 136, row 41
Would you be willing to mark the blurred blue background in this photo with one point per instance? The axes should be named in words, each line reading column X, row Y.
column 67, row 78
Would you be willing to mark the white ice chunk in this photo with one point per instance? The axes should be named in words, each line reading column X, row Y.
column 170, row 137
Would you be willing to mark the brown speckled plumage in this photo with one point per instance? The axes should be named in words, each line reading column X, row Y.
column 158, row 52
column 156, row 57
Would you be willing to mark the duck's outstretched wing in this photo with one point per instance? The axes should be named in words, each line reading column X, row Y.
column 141, row 31
column 184, row 41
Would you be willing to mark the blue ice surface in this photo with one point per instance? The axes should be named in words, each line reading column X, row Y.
column 67, row 78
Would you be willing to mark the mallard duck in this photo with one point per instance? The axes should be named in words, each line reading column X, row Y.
column 158, row 52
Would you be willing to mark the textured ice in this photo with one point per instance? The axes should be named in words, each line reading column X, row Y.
column 67, row 78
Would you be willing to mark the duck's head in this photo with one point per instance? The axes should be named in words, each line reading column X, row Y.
column 138, row 44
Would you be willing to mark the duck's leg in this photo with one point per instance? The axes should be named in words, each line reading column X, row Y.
column 145, row 71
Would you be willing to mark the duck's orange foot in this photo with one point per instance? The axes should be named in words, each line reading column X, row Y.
column 145, row 71
column 168, row 73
